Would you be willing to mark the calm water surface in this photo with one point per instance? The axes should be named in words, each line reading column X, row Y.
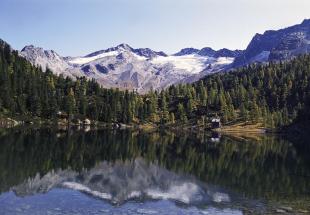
column 47, row 171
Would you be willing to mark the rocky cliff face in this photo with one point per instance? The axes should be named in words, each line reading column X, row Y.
column 277, row 45
column 49, row 59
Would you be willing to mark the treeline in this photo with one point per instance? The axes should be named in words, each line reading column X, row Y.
column 272, row 94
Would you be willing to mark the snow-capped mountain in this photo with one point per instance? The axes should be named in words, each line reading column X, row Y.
column 127, row 68
column 143, row 69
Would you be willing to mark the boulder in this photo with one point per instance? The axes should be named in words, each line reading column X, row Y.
column 87, row 122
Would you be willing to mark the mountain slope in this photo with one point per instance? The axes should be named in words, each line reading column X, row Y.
column 49, row 59
column 277, row 45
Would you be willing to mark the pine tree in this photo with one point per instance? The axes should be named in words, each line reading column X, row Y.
column 181, row 113
column 70, row 104
column 172, row 118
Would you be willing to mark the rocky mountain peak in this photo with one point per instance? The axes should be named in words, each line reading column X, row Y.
column 207, row 51
column 187, row 51
column 306, row 22
column 124, row 46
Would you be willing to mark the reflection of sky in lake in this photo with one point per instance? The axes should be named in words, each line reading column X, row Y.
column 64, row 201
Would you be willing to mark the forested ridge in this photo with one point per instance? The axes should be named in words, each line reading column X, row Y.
column 275, row 95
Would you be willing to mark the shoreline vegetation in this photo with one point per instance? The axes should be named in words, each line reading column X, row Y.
column 237, row 129
column 233, row 129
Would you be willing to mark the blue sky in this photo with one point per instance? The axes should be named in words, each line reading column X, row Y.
column 78, row 27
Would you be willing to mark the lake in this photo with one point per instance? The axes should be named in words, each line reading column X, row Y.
column 51, row 171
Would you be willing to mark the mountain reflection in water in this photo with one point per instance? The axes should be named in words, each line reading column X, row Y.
column 120, row 182
column 124, row 166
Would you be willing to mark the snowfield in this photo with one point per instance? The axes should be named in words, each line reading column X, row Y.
column 84, row 60
column 193, row 64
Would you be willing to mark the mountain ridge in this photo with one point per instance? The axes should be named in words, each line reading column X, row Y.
column 124, row 67
column 143, row 69
column 207, row 51
column 146, row 52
